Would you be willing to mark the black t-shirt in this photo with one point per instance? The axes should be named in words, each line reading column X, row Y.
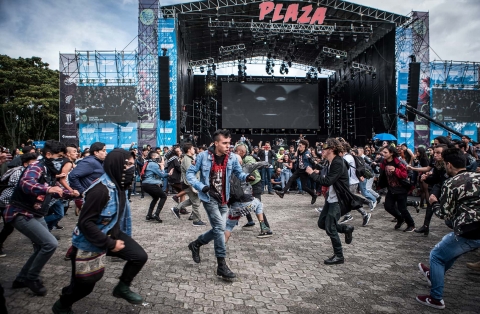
column 424, row 162
column 217, row 179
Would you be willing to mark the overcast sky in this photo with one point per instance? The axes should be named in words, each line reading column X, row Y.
column 44, row 28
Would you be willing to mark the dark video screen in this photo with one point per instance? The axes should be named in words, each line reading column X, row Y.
column 455, row 105
column 105, row 104
column 270, row 105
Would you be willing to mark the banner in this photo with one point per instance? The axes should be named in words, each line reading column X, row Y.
column 167, row 42
column 68, row 126
column 114, row 135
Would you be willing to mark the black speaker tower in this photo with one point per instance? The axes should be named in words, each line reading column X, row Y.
column 413, row 87
column 164, row 87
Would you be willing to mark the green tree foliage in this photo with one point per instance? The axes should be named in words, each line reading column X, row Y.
column 29, row 103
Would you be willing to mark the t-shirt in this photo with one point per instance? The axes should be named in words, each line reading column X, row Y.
column 332, row 195
column 217, row 179
column 351, row 172
column 276, row 178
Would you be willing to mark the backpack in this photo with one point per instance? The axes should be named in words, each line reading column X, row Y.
column 6, row 177
column 144, row 169
column 361, row 168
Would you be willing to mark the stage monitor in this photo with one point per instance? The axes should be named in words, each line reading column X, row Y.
column 456, row 105
column 105, row 104
column 270, row 105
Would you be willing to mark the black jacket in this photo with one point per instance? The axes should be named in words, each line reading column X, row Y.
column 272, row 157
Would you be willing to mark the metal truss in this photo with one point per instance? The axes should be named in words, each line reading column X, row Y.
column 466, row 77
column 358, row 67
column 334, row 52
column 266, row 79
column 199, row 63
column 290, row 28
column 174, row 10
column 231, row 49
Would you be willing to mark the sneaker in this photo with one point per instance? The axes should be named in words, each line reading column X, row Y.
column 399, row 224
column 280, row 193
column 58, row 308
column 366, row 219
column 373, row 205
column 183, row 211
column 425, row 272
column 379, row 199
column 314, row 199
column 191, row 217
column 319, row 209
column 58, row 227
column 264, row 231
column 429, row 301
column 176, row 199
column 36, row 286
column 2, row 254
column 474, row 266
column 176, row 212
column 409, row 229
column 345, row 219
column 248, row 225
column 198, row 223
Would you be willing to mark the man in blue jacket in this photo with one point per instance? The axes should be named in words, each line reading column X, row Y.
column 89, row 168
column 216, row 166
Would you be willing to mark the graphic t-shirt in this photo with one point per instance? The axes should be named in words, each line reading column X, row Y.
column 218, row 174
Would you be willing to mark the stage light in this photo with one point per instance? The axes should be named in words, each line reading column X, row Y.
column 269, row 55
column 374, row 76
column 239, row 67
column 354, row 37
column 189, row 72
column 202, row 69
column 342, row 37
column 210, row 87
column 212, row 32
column 367, row 38
column 240, row 33
column 328, row 37
column 286, row 71
column 225, row 32
column 214, row 67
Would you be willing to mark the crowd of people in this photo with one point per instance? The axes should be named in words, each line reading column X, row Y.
column 228, row 180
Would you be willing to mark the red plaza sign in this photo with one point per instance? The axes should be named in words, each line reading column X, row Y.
column 302, row 16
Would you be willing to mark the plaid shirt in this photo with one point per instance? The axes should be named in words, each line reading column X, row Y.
column 12, row 182
column 29, row 185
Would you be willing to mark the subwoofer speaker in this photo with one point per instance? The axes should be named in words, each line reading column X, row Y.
column 413, row 87
column 164, row 88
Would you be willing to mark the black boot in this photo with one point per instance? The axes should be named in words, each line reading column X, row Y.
column 148, row 217
column 122, row 290
column 155, row 217
column 423, row 229
column 149, row 214
column 223, row 270
column 195, row 248
column 58, row 308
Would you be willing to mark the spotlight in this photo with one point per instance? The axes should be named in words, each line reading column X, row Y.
column 210, row 86
column 367, row 38
column 202, row 69
column 289, row 64
column 342, row 37
column 374, row 76
column 328, row 37
column 212, row 32
column 214, row 67
column 269, row 55
column 354, row 37
column 286, row 71
column 240, row 33
column 225, row 32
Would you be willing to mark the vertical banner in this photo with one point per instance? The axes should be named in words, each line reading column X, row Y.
column 68, row 86
column 167, row 44
column 147, row 70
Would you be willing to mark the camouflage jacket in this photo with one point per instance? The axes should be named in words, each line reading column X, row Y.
column 460, row 200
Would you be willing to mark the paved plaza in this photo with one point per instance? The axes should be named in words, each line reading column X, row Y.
column 282, row 274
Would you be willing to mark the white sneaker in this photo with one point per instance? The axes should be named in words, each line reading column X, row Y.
column 373, row 205
column 319, row 209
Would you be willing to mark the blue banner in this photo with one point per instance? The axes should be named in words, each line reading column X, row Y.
column 167, row 39
column 114, row 135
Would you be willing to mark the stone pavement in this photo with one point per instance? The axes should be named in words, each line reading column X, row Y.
column 282, row 274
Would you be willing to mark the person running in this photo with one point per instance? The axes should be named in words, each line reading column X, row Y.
column 392, row 174
column 459, row 206
column 104, row 226
column 337, row 173
column 217, row 165
column 303, row 160
column 27, row 209
column 152, row 184
column 193, row 199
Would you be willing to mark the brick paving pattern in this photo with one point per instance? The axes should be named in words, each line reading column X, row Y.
column 282, row 274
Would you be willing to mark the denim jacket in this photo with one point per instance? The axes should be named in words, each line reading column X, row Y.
column 203, row 163
column 153, row 174
column 307, row 157
column 107, row 219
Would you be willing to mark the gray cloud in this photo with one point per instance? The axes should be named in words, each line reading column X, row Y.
column 45, row 28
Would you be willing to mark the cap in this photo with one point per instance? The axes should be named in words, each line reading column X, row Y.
column 281, row 148
column 231, row 146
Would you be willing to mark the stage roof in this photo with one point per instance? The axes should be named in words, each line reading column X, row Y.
column 209, row 25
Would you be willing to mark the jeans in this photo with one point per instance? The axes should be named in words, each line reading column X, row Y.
column 7, row 229
column 266, row 177
column 194, row 201
column 56, row 216
column 299, row 185
column 353, row 189
column 370, row 189
column 442, row 258
column 401, row 212
column 217, row 215
column 328, row 221
column 286, row 174
column 165, row 185
column 363, row 190
column 133, row 253
column 44, row 245
column 156, row 193
column 303, row 176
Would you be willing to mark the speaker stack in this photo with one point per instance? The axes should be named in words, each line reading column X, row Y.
column 413, row 88
column 164, row 87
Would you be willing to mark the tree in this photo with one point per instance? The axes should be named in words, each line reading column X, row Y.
column 29, row 100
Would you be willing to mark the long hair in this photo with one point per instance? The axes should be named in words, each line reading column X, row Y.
column 392, row 150
column 335, row 144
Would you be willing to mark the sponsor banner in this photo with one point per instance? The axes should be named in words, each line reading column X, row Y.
column 112, row 134
column 294, row 12
column 167, row 39
column 68, row 126
column 406, row 133
column 39, row 144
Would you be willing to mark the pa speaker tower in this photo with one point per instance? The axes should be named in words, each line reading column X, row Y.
column 164, row 87
column 413, row 87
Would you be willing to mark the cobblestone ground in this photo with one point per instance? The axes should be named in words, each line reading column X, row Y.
column 282, row 274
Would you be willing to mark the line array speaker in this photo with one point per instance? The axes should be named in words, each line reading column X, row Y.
column 413, row 87
column 164, row 87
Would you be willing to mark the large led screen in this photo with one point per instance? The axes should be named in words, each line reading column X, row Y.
column 455, row 105
column 105, row 104
column 270, row 105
